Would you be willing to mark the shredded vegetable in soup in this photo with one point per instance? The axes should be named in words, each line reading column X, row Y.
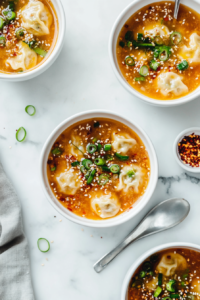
column 170, row 274
column 98, row 168
column 28, row 31
column 160, row 56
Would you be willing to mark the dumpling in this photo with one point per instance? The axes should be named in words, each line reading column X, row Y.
column 122, row 143
column 192, row 53
column 105, row 206
column 25, row 59
column 69, row 182
column 158, row 30
column 170, row 262
column 74, row 150
column 36, row 18
column 171, row 82
column 130, row 177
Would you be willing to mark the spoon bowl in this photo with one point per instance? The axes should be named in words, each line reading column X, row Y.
column 163, row 216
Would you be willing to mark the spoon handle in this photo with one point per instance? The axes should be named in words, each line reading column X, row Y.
column 176, row 8
column 106, row 259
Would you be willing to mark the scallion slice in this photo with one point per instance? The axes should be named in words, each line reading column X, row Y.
column 53, row 169
column 105, row 169
column 30, row 110
column 140, row 79
column 183, row 65
column 57, row 151
column 1, row 23
column 91, row 176
column 144, row 71
column 10, row 15
column 19, row 132
column 154, row 65
column 121, row 157
column 103, row 179
column 170, row 286
column 107, row 147
column 2, row 40
column 157, row 291
column 40, row 51
column 91, row 148
column 99, row 147
column 48, row 245
column 87, row 163
column 176, row 37
column 164, row 55
column 99, row 161
column 115, row 168
column 129, row 61
column 174, row 296
column 158, row 40
column 75, row 163
column 19, row 33
column 160, row 277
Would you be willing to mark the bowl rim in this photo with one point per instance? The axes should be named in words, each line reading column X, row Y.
column 128, row 87
column 148, row 253
column 53, row 55
column 175, row 149
column 112, row 221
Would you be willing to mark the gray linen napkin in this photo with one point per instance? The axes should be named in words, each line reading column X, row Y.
column 15, row 281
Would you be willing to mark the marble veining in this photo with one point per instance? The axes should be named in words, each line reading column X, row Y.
column 82, row 79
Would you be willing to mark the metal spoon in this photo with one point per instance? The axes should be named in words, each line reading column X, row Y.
column 176, row 8
column 165, row 215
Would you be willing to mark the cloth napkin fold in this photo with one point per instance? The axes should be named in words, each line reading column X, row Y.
column 15, row 280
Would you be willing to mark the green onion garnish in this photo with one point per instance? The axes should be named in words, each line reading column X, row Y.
column 75, row 163
column 103, row 179
column 158, row 40
column 53, row 169
column 91, row 176
column 57, row 151
column 99, row 161
column 176, row 37
column 147, row 266
column 129, row 61
column 48, row 245
column 19, row 132
column 170, row 286
column 160, row 277
column 174, row 296
column 40, row 51
column 19, row 33
column 142, row 274
column 87, row 163
column 1, row 23
column 183, row 65
column 30, row 110
column 91, row 148
column 99, row 147
column 107, row 147
column 10, row 15
column 154, row 65
column 122, row 44
column 121, row 157
column 140, row 79
column 144, row 71
column 105, row 169
column 157, row 291
column 2, row 40
column 115, row 168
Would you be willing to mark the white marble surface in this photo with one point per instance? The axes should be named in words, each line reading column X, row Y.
column 82, row 79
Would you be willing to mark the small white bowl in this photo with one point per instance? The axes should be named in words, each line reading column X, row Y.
column 185, row 132
column 51, row 57
column 119, row 23
column 137, row 207
column 141, row 259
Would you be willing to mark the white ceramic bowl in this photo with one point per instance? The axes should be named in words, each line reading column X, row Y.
column 120, row 21
column 185, row 132
column 141, row 259
column 51, row 57
column 126, row 215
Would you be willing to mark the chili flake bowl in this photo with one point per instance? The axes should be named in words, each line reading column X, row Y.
column 137, row 207
column 141, row 259
column 186, row 132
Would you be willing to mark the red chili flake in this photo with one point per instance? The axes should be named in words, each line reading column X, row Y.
column 189, row 150
column 166, row 19
column 126, row 25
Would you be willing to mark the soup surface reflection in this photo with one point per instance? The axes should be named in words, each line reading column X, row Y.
column 170, row 274
column 98, row 168
column 158, row 55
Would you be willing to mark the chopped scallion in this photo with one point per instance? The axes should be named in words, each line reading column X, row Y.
column 47, row 242
column 20, row 131
column 30, row 110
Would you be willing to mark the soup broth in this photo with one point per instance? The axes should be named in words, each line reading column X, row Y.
column 169, row 274
column 28, row 32
column 98, row 168
column 158, row 55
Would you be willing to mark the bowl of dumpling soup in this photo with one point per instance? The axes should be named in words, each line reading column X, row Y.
column 31, row 37
column 169, row 271
column 98, row 169
column 156, row 57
